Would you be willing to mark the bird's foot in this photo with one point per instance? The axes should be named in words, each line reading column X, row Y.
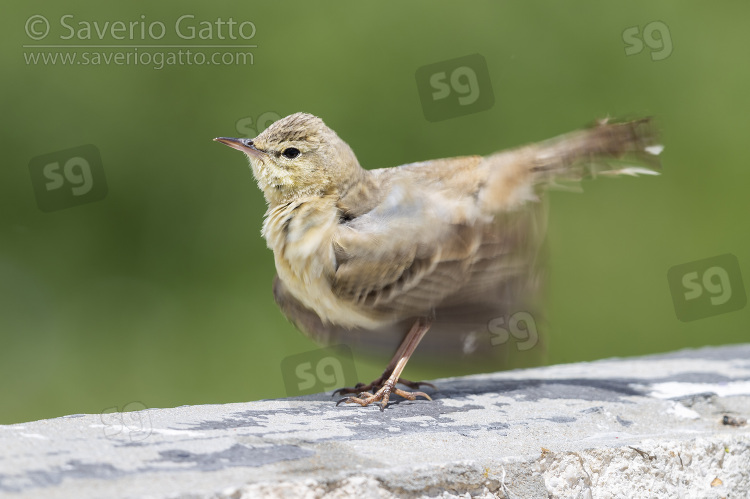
column 383, row 392
column 379, row 383
column 386, row 383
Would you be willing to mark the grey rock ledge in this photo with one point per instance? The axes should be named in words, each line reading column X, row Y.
column 639, row 427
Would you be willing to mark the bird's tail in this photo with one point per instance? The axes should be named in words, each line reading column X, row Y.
column 607, row 148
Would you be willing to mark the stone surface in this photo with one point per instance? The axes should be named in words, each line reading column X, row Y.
column 642, row 427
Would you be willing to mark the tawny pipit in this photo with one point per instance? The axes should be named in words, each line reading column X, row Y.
column 418, row 246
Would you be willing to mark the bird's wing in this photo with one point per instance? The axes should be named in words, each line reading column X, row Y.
column 514, row 177
column 456, row 231
column 425, row 244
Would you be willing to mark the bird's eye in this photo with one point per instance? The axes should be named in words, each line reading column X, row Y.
column 290, row 152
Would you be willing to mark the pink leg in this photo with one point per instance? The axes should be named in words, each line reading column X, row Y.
column 393, row 372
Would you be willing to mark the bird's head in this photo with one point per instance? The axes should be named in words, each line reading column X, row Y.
column 298, row 156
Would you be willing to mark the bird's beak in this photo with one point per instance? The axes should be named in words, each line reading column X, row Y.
column 244, row 145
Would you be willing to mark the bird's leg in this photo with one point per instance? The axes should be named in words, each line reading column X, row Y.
column 393, row 372
column 378, row 383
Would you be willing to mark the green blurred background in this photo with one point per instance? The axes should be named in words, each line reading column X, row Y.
column 161, row 292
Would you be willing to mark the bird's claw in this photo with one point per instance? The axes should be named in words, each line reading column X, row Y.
column 358, row 388
column 361, row 388
column 382, row 395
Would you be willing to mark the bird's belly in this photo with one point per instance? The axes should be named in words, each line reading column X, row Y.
column 303, row 279
column 301, row 237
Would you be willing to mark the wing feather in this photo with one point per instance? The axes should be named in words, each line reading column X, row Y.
column 412, row 253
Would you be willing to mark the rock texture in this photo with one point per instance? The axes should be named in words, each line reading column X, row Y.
column 658, row 426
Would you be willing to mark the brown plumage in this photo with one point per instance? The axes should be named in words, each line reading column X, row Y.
column 442, row 245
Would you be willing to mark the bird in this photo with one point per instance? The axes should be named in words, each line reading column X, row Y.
column 437, row 245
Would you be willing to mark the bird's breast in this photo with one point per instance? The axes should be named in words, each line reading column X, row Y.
column 301, row 234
